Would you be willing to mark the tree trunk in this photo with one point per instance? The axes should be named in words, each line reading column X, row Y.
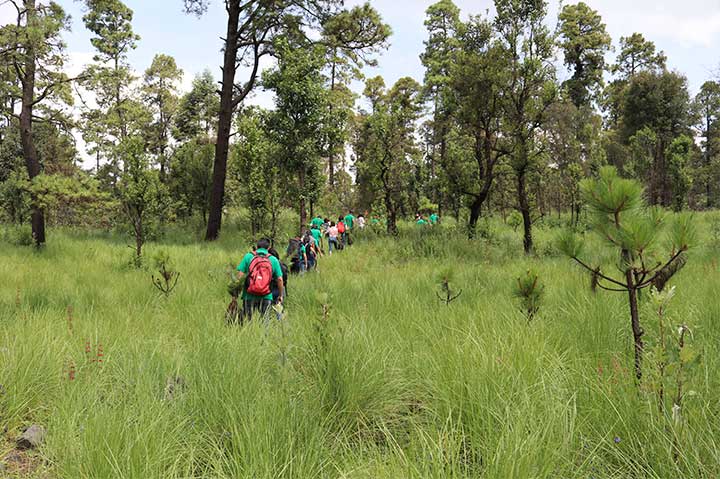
column 30, row 155
column 524, row 204
column 301, row 187
column 139, row 240
column 475, row 209
column 635, row 322
column 217, row 193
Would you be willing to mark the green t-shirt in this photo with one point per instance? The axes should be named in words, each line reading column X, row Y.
column 349, row 220
column 317, row 222
column 421, row 222
column 244, row 267
column 434, row 218
column 317, row 234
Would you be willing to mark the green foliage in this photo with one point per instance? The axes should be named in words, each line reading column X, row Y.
column 255, row 169
column 297, row 124
column 584, row 42
column 198, row 108
column 385, row 146
column 530, row 291
column 142, row 195
column 515, row 220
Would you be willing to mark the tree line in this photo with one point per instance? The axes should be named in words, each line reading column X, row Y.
column 490, row 129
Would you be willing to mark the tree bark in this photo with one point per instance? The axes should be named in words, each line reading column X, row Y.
column 30, row 155
column 524, row 204
column 222, row 146
column 635, row 323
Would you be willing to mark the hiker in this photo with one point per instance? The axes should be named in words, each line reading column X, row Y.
column 349, row 221
column 342, row 230
column 434, row 219
column 317, row 236
column 310, row 251
column 258, row 269
column 317, row 221
column 421, row 221
column 332, row 233
column 278, row 295
column 361, row 221
column 296, row 253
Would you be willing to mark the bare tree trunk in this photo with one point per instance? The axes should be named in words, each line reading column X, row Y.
column 222, row 146
column 139, row 239
column 30, row 155
column 524, row 205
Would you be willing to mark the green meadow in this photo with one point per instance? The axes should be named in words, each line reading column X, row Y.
column 368, row 375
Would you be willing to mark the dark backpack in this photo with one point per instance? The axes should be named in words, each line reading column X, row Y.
column 259, row 276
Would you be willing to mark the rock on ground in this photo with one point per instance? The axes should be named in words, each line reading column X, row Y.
column 32, row 438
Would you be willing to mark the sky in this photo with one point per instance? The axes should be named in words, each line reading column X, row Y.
column 687, row 31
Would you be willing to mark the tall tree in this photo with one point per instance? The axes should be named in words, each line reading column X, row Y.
column 584, row 42
column 160, row 92
column 33, row 48
column 110, row 78
column 298, row 120
column 442, row 23
column 253, row 26
column 477, row 81
column 385, row 145
column 706, row 107
column 351, row 38
column 255, row 167
column 637, row 54
column 659, row 102
column 198, row 109
column 530, row 90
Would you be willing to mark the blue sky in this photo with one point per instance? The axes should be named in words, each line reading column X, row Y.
column 688, row 31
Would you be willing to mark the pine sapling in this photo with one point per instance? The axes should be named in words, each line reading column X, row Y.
column 168, row 278
column 529, row 290
column 625, row 223
column 446, row 294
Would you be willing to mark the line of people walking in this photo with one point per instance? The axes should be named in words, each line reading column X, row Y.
column 262, row 277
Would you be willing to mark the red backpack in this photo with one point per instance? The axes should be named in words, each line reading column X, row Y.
column 260, row 276
column 341, row 227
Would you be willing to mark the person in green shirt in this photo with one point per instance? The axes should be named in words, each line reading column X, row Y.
column 421, row 221
column 317, row 221
column 349, row 220
column 317, row 236
column 434, row 218
column 259, row 303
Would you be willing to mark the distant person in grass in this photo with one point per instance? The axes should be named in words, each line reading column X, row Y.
column 342, row 229
column 278, row 294
column 421, row 221
column 310, row 251
column 333, row 234
column 349, row 225
column 434, row 219
column 317, row 221
column 317, row 236
column 258, row 270
column 361, row 221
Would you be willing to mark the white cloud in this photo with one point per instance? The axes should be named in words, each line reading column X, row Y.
column 8, row 14
column 692, row 23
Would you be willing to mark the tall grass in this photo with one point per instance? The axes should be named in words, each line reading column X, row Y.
column 370, row 374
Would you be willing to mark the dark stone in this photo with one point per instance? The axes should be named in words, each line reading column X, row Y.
column 32, row 438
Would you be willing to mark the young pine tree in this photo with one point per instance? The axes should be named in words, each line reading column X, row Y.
column 628, row 226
